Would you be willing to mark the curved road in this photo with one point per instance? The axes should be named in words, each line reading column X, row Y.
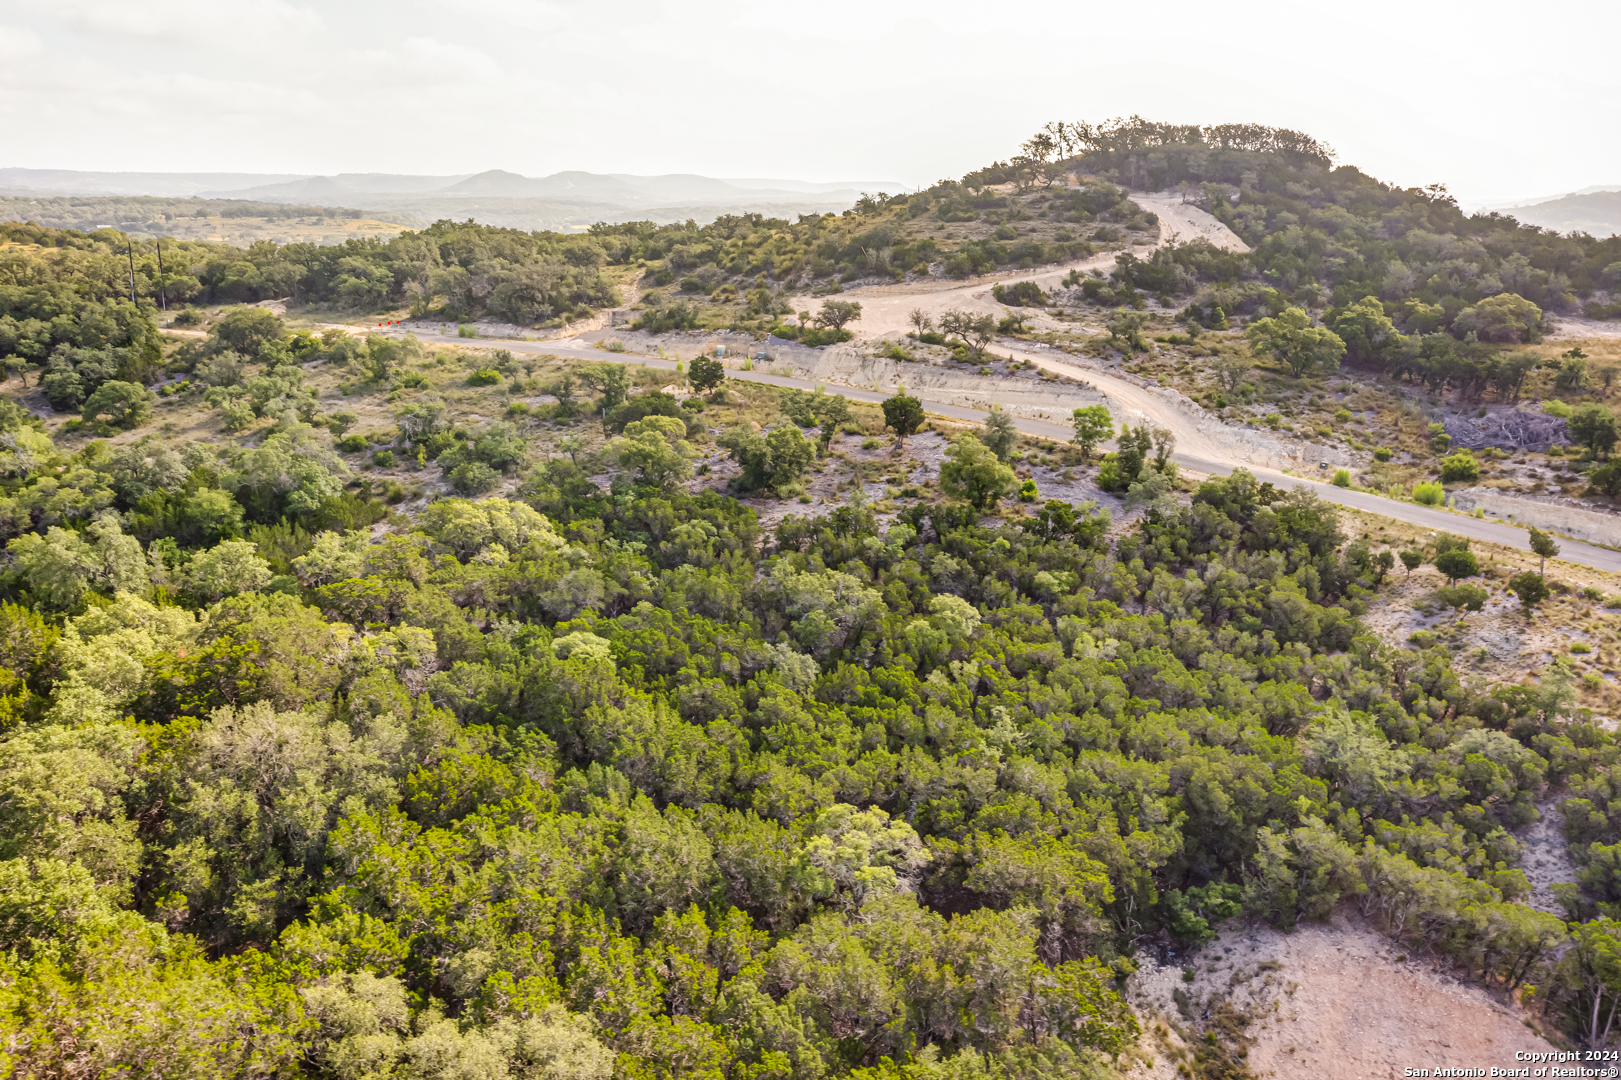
column 1202, row 457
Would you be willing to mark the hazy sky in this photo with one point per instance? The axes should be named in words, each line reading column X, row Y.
column 1496, row 101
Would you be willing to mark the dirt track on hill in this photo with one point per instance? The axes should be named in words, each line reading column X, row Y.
column 1203, row 443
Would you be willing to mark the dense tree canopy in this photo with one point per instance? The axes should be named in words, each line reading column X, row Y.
column 596, row 786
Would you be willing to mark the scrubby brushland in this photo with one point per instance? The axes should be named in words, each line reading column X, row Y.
column 1427, row 316
column 459, row 270
column 610, row 783
column 743, row 267
column 607, row 778
column 235, row 221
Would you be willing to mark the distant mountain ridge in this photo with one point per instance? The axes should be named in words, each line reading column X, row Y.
column 492, row 183
column 571, row 199
column 170, row 185
column 1597, row 213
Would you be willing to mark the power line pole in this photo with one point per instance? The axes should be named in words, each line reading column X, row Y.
column 131, row 244
column 163, row 292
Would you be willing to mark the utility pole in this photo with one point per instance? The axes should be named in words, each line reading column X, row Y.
column 131, row 244
column 163, row 292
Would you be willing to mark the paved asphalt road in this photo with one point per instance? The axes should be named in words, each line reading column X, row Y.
column 1424, row 516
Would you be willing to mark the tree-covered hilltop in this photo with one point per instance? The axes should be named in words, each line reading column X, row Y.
column 1328, row 236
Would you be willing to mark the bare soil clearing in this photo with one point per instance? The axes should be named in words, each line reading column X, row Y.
column 1334, row 1001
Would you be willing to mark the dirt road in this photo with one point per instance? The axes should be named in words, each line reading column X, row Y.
column 1203, row 443
column 1196, row 453
column 885, row 309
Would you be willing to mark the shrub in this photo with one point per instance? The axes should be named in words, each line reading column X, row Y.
column 652, row 403
column 972, row 472
column 1462, row 597
column 1581, row 648
column 1530, row 587
column 817, row 336
column 1457, row 564
column 1110, row 476
column 1342, row 416
column 1028, row 491
column 1342, row 478
column 484, row 377
column 383, row 459
column 122, row 404
column 473, row 478
column 677, row 316
column 1020, row 294
column 352, row 444
column 1556, row 408
column 1606, row 479
column 466, row 330
column 1430, row 494
column 1460, row 466
column 1383, row 454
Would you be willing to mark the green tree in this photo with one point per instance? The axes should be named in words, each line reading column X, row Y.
column 667, row 863
column 1532, row 589
column 979, row 332
column 1000, row 433
column 120, row 404
column 1572, row 374
column 973, row 473
column 1593, row 426
column 1291, row 338
column 903, row 415
column 226, row 569
column 1462, row 597
column 1093, row 425
column 1369, row 334
column 59, row 567
column 247, row 330
column 1126, row 331
column 1412, row 560
column 1457, row 564
column 1134, row 445
column 654, row 448
column 1505, row 318
column 1231, row 373
column 1590, row 974
column 770, row 462
column 612, row 381
column 1544, row 546
column 706, row 373
column 835, row 313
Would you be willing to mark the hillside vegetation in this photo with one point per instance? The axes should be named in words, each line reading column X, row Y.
column 232, row 221
column 305, row 773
